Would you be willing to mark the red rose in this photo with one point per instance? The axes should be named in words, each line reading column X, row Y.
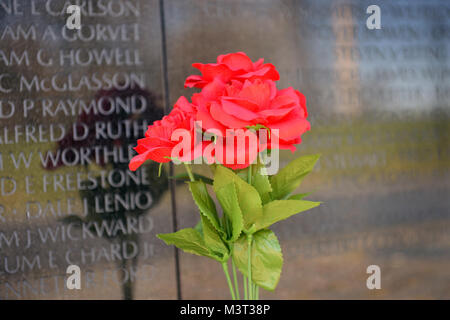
column 252, row 103
column 233, row 66
column 236, row 94
column 157, row 144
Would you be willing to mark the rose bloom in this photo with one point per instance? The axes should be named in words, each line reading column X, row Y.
column 158, row 145
column 233, row 66
column 251, row 103
column 236, row 94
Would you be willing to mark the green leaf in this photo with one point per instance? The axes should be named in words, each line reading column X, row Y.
column 213, row 240
column 289, row 178
column 228, row 199
column 242, row 173
column 278, row 210
column 248, row 197
column 188, row 240
column 262, row 185
column 198, row 177
column 199, row 226
column 205, row 203
column 267, row 259
column 299, row 196
column 160, row 168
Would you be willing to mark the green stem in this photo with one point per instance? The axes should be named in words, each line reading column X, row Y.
column 244, row 279
column 249, row 266
column 227, row 275
column 189, row 171
column 236, row 284
column 249, row 245
column 253, row 291
column 257, row 293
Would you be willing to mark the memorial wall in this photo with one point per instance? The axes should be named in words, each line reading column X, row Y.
column 74, row 102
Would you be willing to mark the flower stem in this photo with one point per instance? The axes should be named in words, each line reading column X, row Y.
column 249, row 245
column 253, row 291
column 249, row 266
column 244, row 280
column 227, row 275
column 236, row 284
column 189, row 171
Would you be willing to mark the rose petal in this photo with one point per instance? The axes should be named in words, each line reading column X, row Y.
column 302, row 100
column 290, row 128
column 258, row 63
column 212, row 71
column 207, row 121
column 213, row 89
column 194, row 81
column 285, row 101
column 275, row 114
column 224, row 118
column 266, row 72
column 137, row 161
column 257, row 92
column 184, row 105
column 236, row 61
column 242, row 108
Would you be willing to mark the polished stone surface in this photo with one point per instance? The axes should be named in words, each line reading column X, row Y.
column 379, row 107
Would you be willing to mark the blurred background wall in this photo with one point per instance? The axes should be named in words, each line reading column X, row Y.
column 379, row 108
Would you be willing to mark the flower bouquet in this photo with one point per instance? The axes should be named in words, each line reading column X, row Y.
column 236, row 124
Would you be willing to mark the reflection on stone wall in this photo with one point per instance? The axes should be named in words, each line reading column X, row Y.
column 73, row 103
column 80, row 100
